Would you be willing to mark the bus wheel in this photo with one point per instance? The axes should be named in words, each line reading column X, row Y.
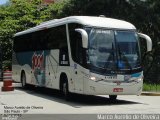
column 112, row 97
column 23, row 80
column 65, row 90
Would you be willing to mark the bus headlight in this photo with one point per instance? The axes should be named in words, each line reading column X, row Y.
column 93, row 78
column 139, row 79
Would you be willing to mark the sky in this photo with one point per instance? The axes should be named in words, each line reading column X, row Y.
column 3, row 1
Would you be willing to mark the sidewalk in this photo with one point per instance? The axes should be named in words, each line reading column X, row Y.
column 150, row 93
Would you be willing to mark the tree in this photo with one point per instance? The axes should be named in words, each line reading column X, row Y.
column 17, row 16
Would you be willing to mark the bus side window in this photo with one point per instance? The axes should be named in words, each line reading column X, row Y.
column 76, row 43
column 56, row 36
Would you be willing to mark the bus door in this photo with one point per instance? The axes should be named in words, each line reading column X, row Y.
column 77, row 57
column 78, row 78
column 78, row 65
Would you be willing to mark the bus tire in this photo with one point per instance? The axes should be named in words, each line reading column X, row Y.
column 23, row 79
column 112, row 98
column 64, row 89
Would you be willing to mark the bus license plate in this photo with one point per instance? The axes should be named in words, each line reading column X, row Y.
column 117, row 89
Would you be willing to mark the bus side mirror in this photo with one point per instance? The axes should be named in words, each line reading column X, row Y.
column 148, row 40
column 84, row 37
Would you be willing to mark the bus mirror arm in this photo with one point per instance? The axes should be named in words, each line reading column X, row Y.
column 84, row 37
column 148, row 40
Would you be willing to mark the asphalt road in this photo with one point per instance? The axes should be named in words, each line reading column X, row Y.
column 46, row 104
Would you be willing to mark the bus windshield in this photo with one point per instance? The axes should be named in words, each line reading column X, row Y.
column 113, row 49
column 128, row 49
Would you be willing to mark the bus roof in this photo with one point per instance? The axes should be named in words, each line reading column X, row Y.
column 84, row 20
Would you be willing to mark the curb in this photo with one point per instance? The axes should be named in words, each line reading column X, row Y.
column 150, row 93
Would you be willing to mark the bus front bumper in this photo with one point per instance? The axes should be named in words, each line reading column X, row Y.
column 92, row 87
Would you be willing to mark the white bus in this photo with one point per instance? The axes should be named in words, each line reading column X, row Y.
column 81, row 54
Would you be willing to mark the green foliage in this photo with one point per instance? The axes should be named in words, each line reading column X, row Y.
column 151, row 87
column 17, row 16
column 7, row 65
